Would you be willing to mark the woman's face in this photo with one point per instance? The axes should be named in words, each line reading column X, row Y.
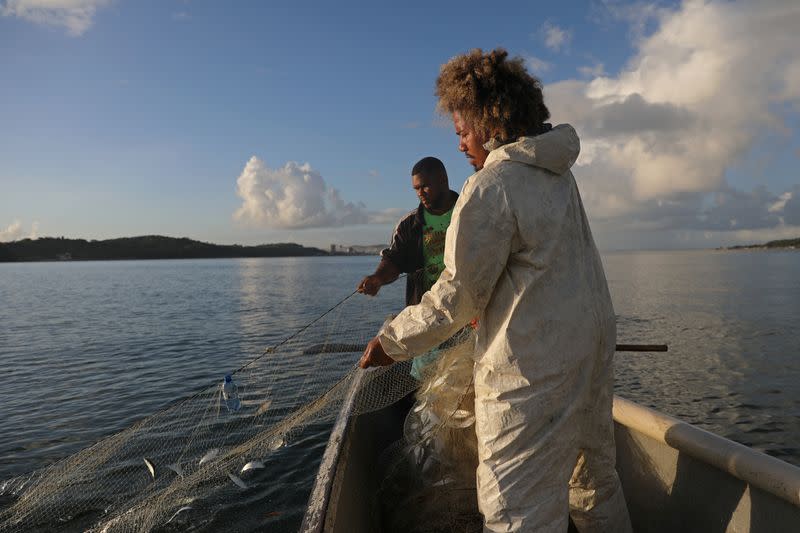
column 470, row 142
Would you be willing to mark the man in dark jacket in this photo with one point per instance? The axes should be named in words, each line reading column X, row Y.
column 417, row 245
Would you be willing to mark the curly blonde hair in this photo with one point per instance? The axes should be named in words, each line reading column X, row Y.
column 494, row 94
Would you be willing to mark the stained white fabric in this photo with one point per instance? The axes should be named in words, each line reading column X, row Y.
column 519, row 255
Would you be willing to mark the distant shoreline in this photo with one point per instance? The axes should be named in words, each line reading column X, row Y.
column 152, row 247
column 14, row 261
column 784, row 244
column 148, row 247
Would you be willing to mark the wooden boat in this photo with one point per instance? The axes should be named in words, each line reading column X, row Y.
column 676, row 477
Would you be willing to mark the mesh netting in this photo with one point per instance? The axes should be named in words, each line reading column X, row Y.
column 428, row 483
column 176, row 469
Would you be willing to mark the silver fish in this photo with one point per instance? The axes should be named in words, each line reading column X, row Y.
column 461, row 418
column 252, row 465
column 150, row 467
column 184, row 508
column 442, row 380
column 177, row 468
column 421, row 405
column 275, row 443
column 210, row 454
column 237, row 480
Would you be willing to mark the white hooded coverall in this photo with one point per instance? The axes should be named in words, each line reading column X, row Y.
column 519, row 255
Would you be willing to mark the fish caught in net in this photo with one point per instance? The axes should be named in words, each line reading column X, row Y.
column 180, row 468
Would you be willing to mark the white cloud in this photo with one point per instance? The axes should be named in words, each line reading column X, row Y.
column 594, row 71
column 387, row 216
column 74, row 15
column 703, row 86
column 536, row 65
column 12, row 233
column 638, row 14
column 555, row 38
column 294, row 196
column 780, row 203
column 15, row 232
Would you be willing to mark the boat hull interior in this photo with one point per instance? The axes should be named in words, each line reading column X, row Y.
column 676, row 477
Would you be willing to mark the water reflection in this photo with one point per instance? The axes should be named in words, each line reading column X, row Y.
column 99, row 345
column 732, row 366
column 260, row 290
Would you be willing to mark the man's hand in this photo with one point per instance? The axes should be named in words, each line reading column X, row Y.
column 370, row 285
column 374, row 355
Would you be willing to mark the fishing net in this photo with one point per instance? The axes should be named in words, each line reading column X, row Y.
column 177, row 469
column 430, row 470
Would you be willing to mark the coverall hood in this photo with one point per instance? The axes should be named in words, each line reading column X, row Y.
column 555, row 151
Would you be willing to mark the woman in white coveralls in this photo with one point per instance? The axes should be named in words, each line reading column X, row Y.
column 520, row 256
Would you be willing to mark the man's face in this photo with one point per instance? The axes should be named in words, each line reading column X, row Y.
column 470, row 142
column 429, row 190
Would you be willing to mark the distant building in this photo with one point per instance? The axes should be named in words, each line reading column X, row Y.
column 355, row 249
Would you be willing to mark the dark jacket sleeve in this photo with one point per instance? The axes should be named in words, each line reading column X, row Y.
column 402, row 248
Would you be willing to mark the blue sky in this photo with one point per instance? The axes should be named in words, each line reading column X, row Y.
column 122, row 118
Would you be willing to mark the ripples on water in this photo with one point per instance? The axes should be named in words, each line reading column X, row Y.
column 731, row 321
column 91, row 347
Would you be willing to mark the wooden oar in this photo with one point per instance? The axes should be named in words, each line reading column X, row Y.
column 334, row 347
column 341, row 348
column 641, row 347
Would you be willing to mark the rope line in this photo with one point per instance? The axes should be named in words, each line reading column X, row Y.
column 266, row 351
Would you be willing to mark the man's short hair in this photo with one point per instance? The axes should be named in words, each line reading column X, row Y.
column 493, row 93
column 430, row 167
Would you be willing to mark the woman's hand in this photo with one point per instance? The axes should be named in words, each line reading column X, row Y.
column 374, row 355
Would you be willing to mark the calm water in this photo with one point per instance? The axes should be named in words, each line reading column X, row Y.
column 90, row 347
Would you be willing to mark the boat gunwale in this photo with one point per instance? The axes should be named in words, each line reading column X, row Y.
column 317, row 509
column 770, row 474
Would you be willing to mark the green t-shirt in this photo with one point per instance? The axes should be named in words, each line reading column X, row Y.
column 433, row 234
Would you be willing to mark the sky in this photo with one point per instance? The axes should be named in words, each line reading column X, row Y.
column 254, row 122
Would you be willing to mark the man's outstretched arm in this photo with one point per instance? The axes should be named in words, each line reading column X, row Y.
column 386, row 273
